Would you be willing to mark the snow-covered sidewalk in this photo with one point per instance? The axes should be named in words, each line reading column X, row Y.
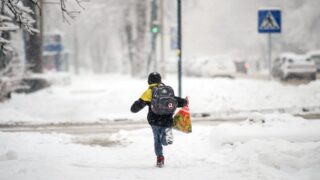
column 283, row 147
column 100, row 98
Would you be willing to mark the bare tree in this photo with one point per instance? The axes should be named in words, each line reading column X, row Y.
column 23, row 15
column 14, row 16
column 26, row 15
column 135, row 37
column 33, row 41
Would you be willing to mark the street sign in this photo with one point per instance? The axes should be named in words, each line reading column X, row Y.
column 269, row 21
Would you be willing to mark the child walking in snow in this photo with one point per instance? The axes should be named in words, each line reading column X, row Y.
column 160, row 118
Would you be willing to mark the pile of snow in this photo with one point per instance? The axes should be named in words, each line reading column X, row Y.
column 9, row 155
column 53, row 78
column 209, row 95
column 268, row 127
column 99, row 98
column 207, row 153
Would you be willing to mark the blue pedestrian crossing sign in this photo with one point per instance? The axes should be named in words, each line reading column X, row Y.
column 269, row 21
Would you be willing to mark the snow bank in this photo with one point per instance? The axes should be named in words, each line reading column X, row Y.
column 277, row 159
column 268, row 127
column 212, row 95
column 88, row 99
column 264, row 147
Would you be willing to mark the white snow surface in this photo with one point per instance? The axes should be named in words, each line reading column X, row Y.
column 266, row 146
column 284, row 147
column 96, row 98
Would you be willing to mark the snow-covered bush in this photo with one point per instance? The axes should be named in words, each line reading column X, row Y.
column 11, row 76
column 13, row 16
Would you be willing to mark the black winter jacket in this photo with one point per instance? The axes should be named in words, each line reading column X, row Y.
column 154, row 119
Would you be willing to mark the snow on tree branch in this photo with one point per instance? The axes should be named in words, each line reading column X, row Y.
column 14, row 15
column 65, row 6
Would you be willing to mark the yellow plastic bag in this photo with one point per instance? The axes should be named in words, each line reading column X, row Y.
column 182, row 120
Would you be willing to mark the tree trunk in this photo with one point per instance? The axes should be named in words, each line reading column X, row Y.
column 129, row 43
column 33, row 42
column 135, row 35
column 4, row 58
column 141, row 58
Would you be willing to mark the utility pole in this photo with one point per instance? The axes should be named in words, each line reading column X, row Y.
column 154, row 33
column 179, row 49
column 162, row 55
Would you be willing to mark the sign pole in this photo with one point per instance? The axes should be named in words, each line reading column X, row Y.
column 269, row 21
column 162, row 55
column 179, row 49
column 269, row 54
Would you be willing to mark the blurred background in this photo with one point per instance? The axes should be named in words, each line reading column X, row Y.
column 116, row 36
column 136, row 37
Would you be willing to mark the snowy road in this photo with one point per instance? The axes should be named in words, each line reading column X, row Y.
column 113, row 127
column 94, row 128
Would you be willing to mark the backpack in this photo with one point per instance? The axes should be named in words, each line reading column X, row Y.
column 163, row 101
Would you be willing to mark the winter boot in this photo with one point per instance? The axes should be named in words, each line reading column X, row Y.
column 169, row 135
column 160, row 161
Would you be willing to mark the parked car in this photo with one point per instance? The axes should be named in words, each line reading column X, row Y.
column 219, row 66
column 193, row 66
column 288, row 65
column 211, row 66
column 315, row 56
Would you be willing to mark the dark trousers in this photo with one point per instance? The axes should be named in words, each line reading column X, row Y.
column 162, row 137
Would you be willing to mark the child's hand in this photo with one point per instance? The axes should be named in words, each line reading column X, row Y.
column 187, row 101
